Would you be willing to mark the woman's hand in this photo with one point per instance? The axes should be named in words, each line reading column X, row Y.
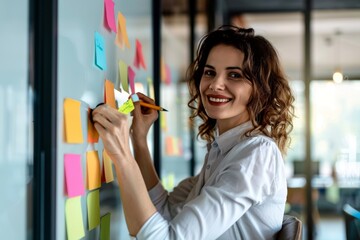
column 143, row 118
column 113, row 129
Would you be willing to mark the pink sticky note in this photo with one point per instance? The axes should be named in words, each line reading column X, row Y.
column 139, row 60
column 110, row 15
column 73, row 175
column 131, row 75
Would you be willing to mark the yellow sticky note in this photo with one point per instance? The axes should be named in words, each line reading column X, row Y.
column 105, row 227
column 93, row 170
column 107, row 167
column 123, row 73
column 74, row 220
column 122, row 38
column 151, row 93
column 163, row 122
column 72, row 121
column 109, row 93
column 127, row 107
column 93, row 209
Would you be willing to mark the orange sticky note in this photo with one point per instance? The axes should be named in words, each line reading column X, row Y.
column 72, row 121
column 139, row 60
column 110, row 15
column 107, row 172
column 109, row 93
column 122, row 38
column 93, row 170
column 163, row 70
column 93, row 135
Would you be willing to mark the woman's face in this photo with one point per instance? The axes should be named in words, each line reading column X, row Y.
column 224, row 91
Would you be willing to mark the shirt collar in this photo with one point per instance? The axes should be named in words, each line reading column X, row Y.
column 231, row 137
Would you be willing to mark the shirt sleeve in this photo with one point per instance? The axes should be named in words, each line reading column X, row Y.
column 169, row 204
column 241, row 183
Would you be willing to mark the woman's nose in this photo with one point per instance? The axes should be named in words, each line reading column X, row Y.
column 218, row 83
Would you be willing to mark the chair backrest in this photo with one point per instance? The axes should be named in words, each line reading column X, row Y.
column 291, row 229
column 352, row 222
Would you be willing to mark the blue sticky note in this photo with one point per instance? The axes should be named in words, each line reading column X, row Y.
column 100, row 57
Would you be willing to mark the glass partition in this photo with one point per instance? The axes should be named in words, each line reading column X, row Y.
column 15, row 122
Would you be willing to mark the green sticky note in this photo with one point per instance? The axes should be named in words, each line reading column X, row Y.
column 74, row 220
column 123, row 72
column 93, row 207
column 127, row 107
column 105, row 227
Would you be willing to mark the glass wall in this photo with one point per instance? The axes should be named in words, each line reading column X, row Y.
column 15, row 122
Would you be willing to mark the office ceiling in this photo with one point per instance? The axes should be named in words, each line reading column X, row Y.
column 335, row 39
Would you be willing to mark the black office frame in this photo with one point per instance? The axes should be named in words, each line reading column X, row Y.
column 156, row 27
column 43, row 80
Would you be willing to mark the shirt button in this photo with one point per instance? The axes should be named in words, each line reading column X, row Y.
column 208, row 166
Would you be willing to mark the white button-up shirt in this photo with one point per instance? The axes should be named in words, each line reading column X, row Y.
column 240, row 193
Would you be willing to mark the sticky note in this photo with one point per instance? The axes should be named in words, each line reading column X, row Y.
column 73, row 175
column 150, row 84
column 93, row 135
column 74, row 219
column 162, row 70
column 131, row 75
column 163, row 122
column 127, row 107
column 139, row 61
column 100, row 56
column 93, row 209
column 110, row 15
column 107, row 172
column 123, row 72
column 109, row 93
column 93, row 170
column 72, row 121
column 167, row 74
column 122, row 38
column 105, row 227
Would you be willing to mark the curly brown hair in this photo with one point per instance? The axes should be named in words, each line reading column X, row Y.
column 270, row 106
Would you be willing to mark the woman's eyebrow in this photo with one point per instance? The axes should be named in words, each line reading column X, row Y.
column 231, row 68
column 209, row 66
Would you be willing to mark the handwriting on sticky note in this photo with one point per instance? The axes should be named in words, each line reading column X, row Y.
column 73, row 175
column 93, row 170
column 74, row 220
column 100, row 55
column 127, row 107
column 72, row 121
column 93, row 207
column 105, row 227
column 110, row 15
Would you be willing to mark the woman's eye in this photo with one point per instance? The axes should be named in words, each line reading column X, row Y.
column 209, row 73
column 234, row 75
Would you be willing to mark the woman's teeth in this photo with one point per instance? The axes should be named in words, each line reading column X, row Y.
column 219, row 99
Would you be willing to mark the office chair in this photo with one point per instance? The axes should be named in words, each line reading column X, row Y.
column 291, row 229
column 352, row 222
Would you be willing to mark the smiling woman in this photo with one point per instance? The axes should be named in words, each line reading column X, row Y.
column 238, row 89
